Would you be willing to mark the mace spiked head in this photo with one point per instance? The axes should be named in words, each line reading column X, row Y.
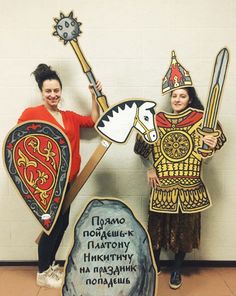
column 67, row 27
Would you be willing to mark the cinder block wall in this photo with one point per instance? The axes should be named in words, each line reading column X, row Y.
column 128, row 44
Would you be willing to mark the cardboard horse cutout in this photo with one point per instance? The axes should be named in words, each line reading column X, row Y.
column 117, row 122
column 37, row 158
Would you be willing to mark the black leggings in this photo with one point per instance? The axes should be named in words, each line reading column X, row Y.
column 178, row 262
column 49, row 244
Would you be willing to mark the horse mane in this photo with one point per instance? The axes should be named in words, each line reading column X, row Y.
column 109, row 114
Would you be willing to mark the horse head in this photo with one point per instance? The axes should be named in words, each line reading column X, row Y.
column 117, row 122
column 144, row 121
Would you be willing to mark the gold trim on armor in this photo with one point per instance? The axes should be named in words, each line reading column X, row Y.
column 170, row 199
column 194, row 127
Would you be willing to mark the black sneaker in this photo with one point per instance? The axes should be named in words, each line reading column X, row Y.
column 175, row 280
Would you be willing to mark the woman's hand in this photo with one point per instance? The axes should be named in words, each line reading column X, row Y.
column 210, row 141
column 152, row 178
column 98, row 87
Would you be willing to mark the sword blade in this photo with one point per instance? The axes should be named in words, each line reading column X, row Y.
column 218, row 78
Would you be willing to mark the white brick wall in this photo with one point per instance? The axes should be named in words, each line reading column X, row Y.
column 128, row 44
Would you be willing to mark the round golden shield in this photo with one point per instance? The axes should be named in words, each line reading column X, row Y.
column 176, row 146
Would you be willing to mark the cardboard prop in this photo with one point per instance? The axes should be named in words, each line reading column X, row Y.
column 210, row 115
column 178, row 154
column 117, row 123
column 67, row 28
column 111, row 253
column 176, row 76
column 37, row 158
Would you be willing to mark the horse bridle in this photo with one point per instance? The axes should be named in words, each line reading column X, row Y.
column 146, row 131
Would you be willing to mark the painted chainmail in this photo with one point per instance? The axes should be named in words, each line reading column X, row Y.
column 178, row 163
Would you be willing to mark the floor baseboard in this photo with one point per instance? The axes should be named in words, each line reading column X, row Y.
column 167, row 263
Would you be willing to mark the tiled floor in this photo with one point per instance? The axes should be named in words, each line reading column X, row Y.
column 20, row 281
column 201, row 282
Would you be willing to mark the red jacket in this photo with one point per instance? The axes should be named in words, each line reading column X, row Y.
column 72, row 123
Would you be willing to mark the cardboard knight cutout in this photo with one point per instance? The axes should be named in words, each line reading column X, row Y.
column 178, row 154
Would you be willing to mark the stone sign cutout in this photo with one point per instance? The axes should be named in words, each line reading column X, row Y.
column 111, row 253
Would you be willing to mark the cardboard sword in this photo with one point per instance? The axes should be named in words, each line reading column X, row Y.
column 213, row 102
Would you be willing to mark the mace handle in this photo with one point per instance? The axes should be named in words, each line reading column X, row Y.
column 101, row 98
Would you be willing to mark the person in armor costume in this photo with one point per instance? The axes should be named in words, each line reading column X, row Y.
column 178, row 194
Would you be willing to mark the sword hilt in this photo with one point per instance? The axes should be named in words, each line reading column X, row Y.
column 206, row 131
column 205, row 150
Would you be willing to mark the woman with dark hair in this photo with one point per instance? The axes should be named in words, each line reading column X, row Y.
column 178, row 194
column 70, row 123
column 194, row 101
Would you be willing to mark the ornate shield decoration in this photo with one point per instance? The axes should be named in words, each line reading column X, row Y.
column 37, row 158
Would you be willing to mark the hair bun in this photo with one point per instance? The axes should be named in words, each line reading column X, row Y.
column 44, row 72
column 43, row 68
column 41, row 72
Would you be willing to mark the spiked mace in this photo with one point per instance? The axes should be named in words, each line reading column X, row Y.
column 68, row 29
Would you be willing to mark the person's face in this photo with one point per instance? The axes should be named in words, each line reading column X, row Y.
column 179, row 100
column 51, row 92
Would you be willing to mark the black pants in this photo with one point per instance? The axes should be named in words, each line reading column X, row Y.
column 49, row 244
column 178, row 261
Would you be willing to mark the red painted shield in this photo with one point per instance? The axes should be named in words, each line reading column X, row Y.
column 37, row 157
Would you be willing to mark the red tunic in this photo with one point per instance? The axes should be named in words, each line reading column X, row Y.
column 72, row 123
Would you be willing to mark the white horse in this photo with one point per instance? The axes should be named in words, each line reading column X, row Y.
column 116, row 123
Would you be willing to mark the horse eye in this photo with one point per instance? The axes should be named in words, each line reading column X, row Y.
column 146, row 118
